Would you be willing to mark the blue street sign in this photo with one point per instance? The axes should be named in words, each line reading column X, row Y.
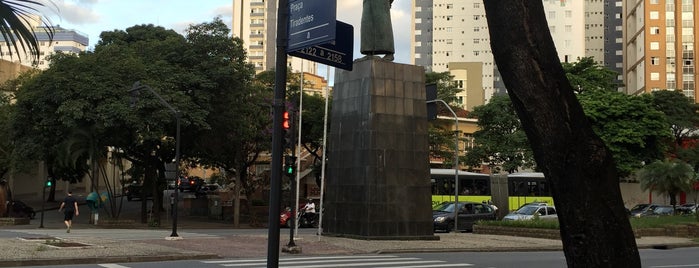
column 337, row 54
column 311, row 22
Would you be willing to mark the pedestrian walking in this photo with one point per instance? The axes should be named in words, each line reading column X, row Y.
column 71, row 208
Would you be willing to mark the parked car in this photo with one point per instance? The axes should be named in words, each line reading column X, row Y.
column 468, row 213
column 662, row 211
column 532, row 211
column 689, row 208
column 640, row 210
column 190, row 184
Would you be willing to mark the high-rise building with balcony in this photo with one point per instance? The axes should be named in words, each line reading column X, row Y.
column 255, row 22
column 659, row 46
column 448, row 32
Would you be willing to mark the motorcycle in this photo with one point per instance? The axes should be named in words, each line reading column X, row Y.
column 307, row 219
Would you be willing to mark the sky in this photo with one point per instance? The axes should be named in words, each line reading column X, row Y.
column 91, row 17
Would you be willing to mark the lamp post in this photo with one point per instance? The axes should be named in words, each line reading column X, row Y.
column 137, row 87
column 456, row 163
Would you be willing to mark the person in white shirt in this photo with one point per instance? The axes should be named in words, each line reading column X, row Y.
column 310, row 207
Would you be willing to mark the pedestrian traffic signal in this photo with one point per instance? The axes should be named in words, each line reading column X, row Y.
column 289, row 165
column 286, row 123
column 48, row 183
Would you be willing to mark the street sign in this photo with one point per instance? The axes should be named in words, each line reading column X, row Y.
column 337, row 54
column 311, row 22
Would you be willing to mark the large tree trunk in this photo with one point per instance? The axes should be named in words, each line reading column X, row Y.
column 595, row 229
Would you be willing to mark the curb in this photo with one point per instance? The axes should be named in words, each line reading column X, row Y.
column 112, row 259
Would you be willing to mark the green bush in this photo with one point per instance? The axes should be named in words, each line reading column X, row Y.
column 656, row 222
column 643, row 222
column 536, row 223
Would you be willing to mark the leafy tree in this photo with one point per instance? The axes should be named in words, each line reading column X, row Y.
column 633, row 130
column 55, row 103
column 500, row 141
column 668, row 177
column 238, row 119
column 683, row 116
column 446, row 87
column 585, row 74
column 578, row 166
column 440, row 135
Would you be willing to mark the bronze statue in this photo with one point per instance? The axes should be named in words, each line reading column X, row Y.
column 376, row 29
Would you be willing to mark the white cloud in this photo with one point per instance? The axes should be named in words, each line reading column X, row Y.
column 79, row 13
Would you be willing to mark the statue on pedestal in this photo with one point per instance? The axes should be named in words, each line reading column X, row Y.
column 376, row 29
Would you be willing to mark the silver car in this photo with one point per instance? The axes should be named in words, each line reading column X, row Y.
column 529, row 212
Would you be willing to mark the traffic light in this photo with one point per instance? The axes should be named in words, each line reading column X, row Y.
column 289, row 165
column 48, row 182
column 288, row 126
column 286, row 123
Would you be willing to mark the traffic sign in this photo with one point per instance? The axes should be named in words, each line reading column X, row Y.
column 337, row 53
column 311, row 22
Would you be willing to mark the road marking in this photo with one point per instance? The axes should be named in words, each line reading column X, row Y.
column 112, row 265
column 383, row 261
column 675, row 266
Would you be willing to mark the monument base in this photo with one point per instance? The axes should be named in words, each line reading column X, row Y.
column 378, row 184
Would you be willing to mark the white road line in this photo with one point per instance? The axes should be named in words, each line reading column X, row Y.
column 307, row 258
column 675, row 266
column 370, row 264
column 112, row 265
column 437, row 265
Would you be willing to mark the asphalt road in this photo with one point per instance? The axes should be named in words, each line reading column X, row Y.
column 673, row 258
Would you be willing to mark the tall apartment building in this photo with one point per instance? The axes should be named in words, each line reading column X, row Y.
column 64, row 40
column 255, row 22
column 451, row 31
column 659, row 46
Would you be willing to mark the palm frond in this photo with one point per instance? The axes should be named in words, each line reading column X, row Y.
column 15, row 25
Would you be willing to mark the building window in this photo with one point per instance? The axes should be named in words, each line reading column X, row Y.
column 654, row 30
column 476, row 40
column 654, row 61
column 654, row 76
column 654, row 45
column 654, row 15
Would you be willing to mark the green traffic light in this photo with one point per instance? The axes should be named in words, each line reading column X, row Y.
column 289, row 170
column 48, row 183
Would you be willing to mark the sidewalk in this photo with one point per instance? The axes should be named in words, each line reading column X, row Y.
column 98, row 247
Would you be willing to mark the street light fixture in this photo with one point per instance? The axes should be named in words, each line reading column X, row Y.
column 456, row 163
column 137, row 87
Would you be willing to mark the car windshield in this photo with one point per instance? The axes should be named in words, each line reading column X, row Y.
column 446, row 207
column 527, row 210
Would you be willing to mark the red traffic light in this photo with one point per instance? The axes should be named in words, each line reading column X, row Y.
column 286, row 124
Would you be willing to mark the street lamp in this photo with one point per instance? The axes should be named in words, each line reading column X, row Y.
column 137, row 87
column 456, row 163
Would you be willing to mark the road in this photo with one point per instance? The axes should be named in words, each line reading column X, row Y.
column 651, row 258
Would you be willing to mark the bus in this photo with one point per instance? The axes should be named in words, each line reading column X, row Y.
column 527, row 187
column 516, row 189
column 474, row 187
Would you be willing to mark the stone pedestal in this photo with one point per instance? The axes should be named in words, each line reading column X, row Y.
column 378, row 174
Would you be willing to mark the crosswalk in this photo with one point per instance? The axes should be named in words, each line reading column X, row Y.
column 373, row 261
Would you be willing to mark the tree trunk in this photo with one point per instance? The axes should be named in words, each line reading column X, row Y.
column 595, row 229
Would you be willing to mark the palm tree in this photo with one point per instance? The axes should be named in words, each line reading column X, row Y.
column 15, row 24
column 667, row 177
